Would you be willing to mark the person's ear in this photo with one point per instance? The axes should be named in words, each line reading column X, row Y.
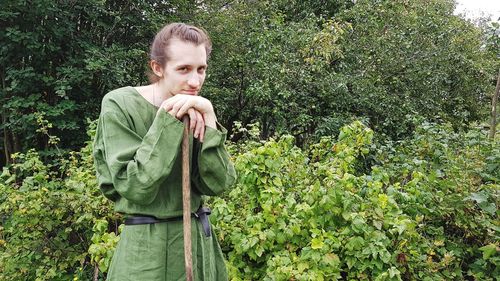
column 156, row 68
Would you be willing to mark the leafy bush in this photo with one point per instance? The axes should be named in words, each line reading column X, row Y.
column 353, row 209
column 48, row 215
column 426, row 210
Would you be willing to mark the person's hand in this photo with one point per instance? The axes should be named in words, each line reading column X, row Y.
column 196, row 124
column 179, row 104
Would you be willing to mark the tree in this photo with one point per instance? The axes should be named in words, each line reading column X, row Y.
column 492, row 45
column 414, row 58
column 494, row 100
column 305, row 68
column 269, row 69
column 59, row 58
column 308, row 74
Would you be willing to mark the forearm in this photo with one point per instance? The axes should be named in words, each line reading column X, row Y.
column 213, row 171
column 137, row 164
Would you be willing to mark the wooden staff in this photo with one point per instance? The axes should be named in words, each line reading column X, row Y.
column 186, row 201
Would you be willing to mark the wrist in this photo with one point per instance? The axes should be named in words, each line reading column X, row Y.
column 210, row 120
column 209, row 109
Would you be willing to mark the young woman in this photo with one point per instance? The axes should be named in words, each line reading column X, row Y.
column 138, row 160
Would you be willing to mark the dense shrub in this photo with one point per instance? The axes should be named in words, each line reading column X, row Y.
column 353, row 209
column 426, row 210
column 48, row 213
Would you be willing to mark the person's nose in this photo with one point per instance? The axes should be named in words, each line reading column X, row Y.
column 194, row 80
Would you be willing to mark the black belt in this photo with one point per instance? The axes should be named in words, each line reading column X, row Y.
column 201, row 214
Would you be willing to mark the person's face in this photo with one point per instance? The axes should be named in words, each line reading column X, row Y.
column 184, row 72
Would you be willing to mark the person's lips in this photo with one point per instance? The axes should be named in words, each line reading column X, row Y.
column 190, row 92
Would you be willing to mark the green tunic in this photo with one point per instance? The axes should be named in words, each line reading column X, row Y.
column 138, row 160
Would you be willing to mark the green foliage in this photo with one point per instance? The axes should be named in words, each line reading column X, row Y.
column 414, row 58
column 450, row 183
column 492, row 38
column 268, row 69
column 48, row 215
column 103, row 245
column 425, row 210
column 304, row 68
column 306, row 71
column 60, row 58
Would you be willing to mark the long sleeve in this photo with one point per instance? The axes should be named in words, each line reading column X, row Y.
column 213, row 171
column 137, row 154
column 137, row 165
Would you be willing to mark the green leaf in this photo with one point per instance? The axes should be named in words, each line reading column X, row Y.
column 479, row 197
column 259, row 251
column 489, row 208
column 302, row 266
column 489, row 250
column 355, row 243
column 317, row 243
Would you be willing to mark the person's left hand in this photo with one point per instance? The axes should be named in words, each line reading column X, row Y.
column 196, row 123
column 180, row 104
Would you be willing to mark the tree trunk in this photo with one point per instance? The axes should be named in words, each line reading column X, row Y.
column 494, row 100
column 16, row 143
column 7, row 144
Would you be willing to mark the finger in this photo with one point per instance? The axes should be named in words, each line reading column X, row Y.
column 175, row 103
column 198, row 129
column 201, row 134
column 201, row 125
column 171, row 112
column 176, row 107
column 169, row 103
column 167, row 107
column 192, row 119
column 184, row 107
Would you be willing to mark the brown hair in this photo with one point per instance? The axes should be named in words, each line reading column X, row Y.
column 181, row 31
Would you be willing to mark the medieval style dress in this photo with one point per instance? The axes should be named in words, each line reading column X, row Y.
column 138, row 160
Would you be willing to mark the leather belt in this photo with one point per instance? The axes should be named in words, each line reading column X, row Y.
column 201, row 214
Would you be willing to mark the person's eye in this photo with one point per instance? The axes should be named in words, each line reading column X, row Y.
column 202, row 69
column 183, row 69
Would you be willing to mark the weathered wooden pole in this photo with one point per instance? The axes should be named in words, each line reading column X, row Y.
column 186, row 201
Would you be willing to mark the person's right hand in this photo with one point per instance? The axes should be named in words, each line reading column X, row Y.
column 196, row 121
column 180, row 104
